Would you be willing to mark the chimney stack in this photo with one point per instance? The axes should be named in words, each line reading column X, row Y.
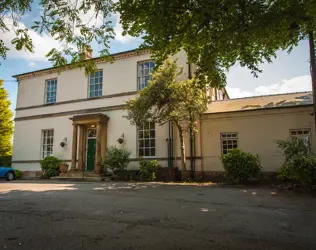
column 86, row 54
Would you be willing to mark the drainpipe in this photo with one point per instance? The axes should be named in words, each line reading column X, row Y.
column 171, row 156
column 192, row 137
column 169, row 146
column 201, row 148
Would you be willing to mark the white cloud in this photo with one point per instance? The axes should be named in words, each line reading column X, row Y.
column 118, row 29
column 43, row 43
column 296, row 84
column 32, row 64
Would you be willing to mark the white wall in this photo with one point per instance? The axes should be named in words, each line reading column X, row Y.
column 118, row 77
column 257, row 133
column 27, row 138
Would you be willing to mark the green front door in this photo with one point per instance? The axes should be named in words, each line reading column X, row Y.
column 91, row 154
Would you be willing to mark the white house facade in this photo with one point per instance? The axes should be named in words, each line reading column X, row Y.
column 76, row 117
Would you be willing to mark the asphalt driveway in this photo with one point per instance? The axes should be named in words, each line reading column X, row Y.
column 77, row 215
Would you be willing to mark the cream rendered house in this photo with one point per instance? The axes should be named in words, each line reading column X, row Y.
column 76, row 117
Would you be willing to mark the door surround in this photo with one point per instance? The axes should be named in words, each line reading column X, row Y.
column 83, row 122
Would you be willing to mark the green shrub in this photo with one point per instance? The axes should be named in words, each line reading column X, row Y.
column 299, row 164
column 18, row 174
column 293, row 148
column 116, row 159
column 148, row 169
column 50, row 167
column 240, row 166
column 301, row 169
column 5, row 160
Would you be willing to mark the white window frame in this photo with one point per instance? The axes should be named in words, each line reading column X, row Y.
column 47, row 144
column 229, row 141
column 92, row 84
column 302, row 133
column 50, row 91
column 144, row 70
column 146, row 140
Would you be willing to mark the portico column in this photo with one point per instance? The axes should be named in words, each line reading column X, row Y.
column 80, row 151
column 74, row 147
column 97, row 168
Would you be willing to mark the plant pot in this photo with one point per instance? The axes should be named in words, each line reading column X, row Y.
column 63, row 168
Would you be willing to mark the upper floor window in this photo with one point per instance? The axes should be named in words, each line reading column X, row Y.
column 229, row 141
column 95, row 84
column 143, row 74
column 147, row 140
column 50, row 91
column 47, row 142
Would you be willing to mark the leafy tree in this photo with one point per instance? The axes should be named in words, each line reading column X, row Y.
column 67, row 22
column 215, row 34
column 218, row 33
column 6, row 123
column 168, row 100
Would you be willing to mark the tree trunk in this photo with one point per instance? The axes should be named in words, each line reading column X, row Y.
column 313, row 69
column 183, row 157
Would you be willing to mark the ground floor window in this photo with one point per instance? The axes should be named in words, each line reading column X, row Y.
column 229, row 141
column 147, row 140
column 304, row 134
column 47, row 142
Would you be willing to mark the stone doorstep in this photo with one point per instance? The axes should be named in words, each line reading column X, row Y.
column 88, row 176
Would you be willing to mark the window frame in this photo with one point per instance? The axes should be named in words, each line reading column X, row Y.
column 89, row 85
column 143, row 139
column 137, row 72
column 303, row 134
column 46, row 87
column 43, row 155
column 228, row 138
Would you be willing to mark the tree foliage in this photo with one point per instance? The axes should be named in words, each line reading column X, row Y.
column 6, row 123
column 216, row 34
column 65, row 21
column 167, row 99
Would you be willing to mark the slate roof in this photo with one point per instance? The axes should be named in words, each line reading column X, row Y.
column 261, row 102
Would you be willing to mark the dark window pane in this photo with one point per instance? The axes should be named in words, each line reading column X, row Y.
column 147, row 152
column 141, row 143
column 152, row 152
column 146, row 143
column 152, row 133
column 140, row 134
column 146, row 134
column 152, row 125
column 306, row 132
column 152, row 143
column 140, row 152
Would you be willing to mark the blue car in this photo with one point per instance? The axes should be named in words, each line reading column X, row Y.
column 7, row 173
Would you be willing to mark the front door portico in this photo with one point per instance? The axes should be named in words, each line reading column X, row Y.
column 89, row 149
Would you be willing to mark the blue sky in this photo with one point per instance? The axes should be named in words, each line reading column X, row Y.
column 287, row 73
